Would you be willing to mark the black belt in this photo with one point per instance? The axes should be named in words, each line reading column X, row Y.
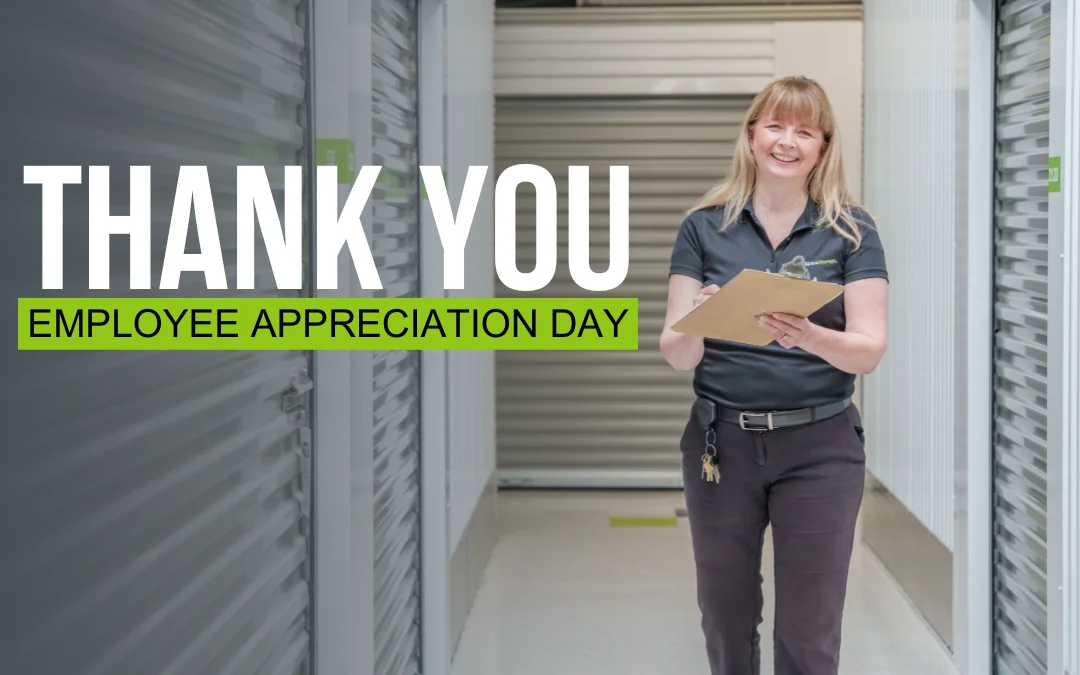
column 781, row 418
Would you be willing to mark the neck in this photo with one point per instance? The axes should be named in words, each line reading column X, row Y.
column 784, row 197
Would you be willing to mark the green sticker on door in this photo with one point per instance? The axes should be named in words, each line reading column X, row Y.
column 1054, row 175
column 339, row 152
column 423, row 187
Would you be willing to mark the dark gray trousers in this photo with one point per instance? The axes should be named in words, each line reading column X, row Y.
column 807, row 482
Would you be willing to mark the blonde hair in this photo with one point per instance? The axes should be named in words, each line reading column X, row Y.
column 791, row 98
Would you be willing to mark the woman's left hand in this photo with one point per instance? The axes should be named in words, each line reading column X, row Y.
column 789, row 331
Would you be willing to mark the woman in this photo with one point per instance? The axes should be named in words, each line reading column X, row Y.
column 777, row 422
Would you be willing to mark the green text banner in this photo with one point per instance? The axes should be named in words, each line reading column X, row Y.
column 546, row 324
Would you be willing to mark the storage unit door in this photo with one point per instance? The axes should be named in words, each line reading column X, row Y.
column 1020, row 357
column 395, row 246
column 606, row 419
column 155, row 503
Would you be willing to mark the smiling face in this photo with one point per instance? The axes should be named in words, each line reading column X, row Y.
column 785, row 149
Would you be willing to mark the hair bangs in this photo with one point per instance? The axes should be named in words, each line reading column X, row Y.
column 792, row 100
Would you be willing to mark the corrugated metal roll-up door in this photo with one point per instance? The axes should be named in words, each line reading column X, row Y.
column 1020, row 356
column 396, row 373
column 155, row 504
column 606, row 419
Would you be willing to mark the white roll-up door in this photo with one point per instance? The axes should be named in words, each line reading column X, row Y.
column 396, row 374
column 606, row 419
column 1020, row 357
column 155, row 504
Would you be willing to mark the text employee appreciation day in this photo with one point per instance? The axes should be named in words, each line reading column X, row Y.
column 496, row 320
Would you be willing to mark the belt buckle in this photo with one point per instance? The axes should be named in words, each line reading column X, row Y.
column 767, row 415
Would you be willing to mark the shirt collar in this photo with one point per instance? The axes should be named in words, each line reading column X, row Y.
column 805, row 221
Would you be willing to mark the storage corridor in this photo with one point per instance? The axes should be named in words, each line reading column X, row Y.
column 569, row 592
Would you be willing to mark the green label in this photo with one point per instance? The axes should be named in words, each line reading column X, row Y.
column 423, row 187
column 194, row 324
column 1054, row 175
column 339, row 152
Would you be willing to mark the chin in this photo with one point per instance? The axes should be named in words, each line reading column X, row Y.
column 783, row 173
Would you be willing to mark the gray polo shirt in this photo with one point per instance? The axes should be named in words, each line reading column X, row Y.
column 746, row 377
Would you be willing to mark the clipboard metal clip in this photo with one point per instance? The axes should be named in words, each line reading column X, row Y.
column 795, row 268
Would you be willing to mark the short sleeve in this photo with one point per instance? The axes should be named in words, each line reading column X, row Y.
column 868, row 261
column 687, row 256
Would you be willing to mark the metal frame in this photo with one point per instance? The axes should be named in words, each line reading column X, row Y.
column 435, row 627
column 974, row 455
column 310, row 274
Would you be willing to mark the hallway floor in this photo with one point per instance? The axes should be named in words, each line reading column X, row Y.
column 566, row 592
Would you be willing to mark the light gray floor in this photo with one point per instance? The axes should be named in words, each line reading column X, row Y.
column 567, row 593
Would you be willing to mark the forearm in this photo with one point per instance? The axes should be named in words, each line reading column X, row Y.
column 682, row 351
column 850, row 352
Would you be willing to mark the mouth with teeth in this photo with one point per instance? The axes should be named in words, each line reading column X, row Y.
column 784, row 159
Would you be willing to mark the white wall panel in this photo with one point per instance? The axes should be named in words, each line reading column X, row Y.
column 1070, row 385
column 1063, row 461
column 910, row 185
column 1070, row 163
column 470, row 142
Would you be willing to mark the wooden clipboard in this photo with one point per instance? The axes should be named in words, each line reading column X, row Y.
column 731, row 313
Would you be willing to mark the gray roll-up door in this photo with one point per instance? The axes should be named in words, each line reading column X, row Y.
column 396, row 378
column 606, row 419
column 154, row 505
column 1020, row 356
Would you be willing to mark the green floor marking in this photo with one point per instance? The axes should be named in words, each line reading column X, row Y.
column 644, row 522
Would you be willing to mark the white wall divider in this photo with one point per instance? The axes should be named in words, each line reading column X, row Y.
column 436, row 651
column 470, row 112
column 361, row 581
column 337, row 648
column 972, row 540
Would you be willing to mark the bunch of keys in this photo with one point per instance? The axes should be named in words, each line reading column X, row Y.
column 709, row 471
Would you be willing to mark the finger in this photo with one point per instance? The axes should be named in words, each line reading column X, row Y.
column 789, row 319
column 790, row 326
column 772, row 330
column 773, row 324
column 710, row 289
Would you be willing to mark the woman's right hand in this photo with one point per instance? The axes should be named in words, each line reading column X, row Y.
column 704, row 294
column 683, row 351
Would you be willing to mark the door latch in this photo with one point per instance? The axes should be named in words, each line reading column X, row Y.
column 301, row 384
